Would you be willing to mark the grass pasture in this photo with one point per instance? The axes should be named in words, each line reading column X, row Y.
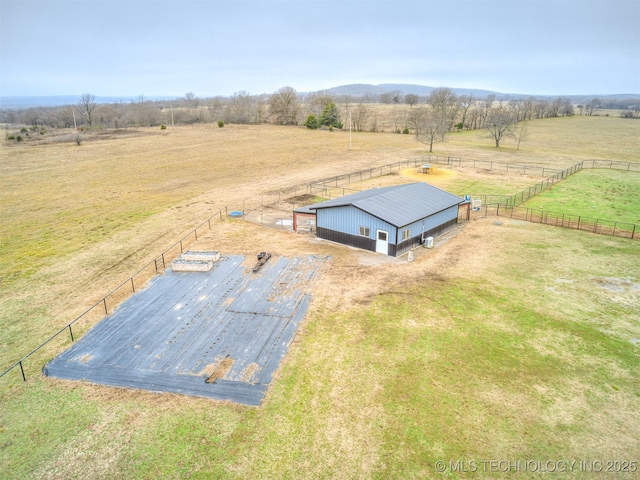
column 513, row 342
column 606, row 194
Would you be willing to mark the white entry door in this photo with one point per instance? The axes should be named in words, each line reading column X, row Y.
column 382, row 242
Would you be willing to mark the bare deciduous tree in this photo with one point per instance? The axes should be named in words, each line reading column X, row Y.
column 500, row 122
column 86, row 107
column 318, row 101
column 432, row 128
column 399, row 116
column 414, row 118
column 240, row 108
column 465, row 102
column 520, row 133
column 592, row 105
column 411, row 99
column 484, row 108
column 359, row 117
column 189, row 99
column 284, row 106
column 445, row 105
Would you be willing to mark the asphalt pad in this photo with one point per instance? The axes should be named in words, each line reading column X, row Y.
column 219, row 334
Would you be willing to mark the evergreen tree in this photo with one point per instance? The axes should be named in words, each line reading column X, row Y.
column 311, row 122
column 330, row 116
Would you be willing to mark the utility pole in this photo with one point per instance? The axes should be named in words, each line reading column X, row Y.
column 349, row 128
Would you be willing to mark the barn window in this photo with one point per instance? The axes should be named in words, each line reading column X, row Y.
column 364, row 232
column 405, row 234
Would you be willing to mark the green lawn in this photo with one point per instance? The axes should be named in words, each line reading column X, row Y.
column 599, row 193
column 525, row 357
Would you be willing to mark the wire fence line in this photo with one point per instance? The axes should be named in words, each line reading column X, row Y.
column 540, row 187
column 611, row 164
column 510, row 206
column 506, row 167
column 109, row 302
column 543, row 171
column 577, row 222
column 333, row 187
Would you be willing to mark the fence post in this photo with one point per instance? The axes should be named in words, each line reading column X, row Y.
column 71, row 332
column 104, row 300
column 133, row 286
column 24, row 379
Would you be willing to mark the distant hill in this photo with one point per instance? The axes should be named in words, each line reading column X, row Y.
column 363, row 89
column 61, row 100
column 360, row 89
column 355, row 90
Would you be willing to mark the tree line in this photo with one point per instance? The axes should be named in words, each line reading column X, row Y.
column 429, row 118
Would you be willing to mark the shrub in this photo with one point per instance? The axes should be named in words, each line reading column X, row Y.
column 406, row 130
column 18, row 138
column 311, row 122
column 220, row 123
column 24, row 130
column 11, row 137
column 163, row 127
column 331, row 128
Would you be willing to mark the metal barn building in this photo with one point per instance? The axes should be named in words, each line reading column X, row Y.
column 390, row 220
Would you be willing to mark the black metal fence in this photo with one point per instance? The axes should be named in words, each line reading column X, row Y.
column 615, row 165
column 493, row 205
column 491, row 165
column 509, row 207
column 108, row 303
column 577, row 222
column 540, row 187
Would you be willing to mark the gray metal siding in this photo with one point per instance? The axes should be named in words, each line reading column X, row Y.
column 428, row 223
column 439, row 218
column 348, row 219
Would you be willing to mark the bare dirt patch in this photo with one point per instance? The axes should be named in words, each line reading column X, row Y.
column 617, row 285
column 221, row 370
column 247, row 374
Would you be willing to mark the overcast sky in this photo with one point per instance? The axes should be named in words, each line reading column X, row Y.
column 169, row 48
